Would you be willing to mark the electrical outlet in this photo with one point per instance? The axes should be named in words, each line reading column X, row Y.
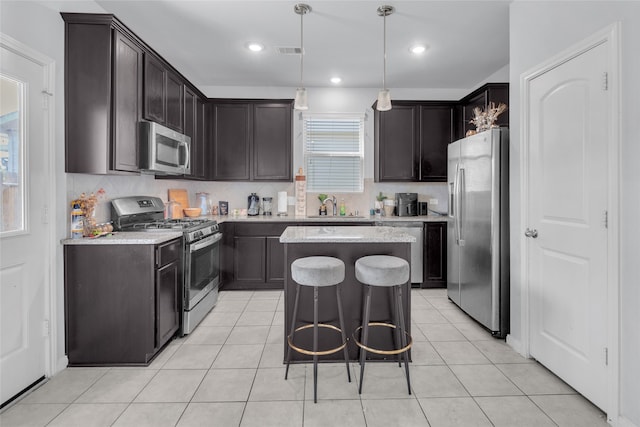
column 433, row 202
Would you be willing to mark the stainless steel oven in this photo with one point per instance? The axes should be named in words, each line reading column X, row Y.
column 201, row 277
column 201, row 254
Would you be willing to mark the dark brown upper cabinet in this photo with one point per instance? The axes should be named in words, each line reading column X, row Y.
column 231, row 152
column 251, row 140
column 272, row 130
column 194, row 127
column 482, row 97
column 113, row 80
column 396, row 143
column 103, row 94
column 411, row 141
column 163, row 94
column 436, row 132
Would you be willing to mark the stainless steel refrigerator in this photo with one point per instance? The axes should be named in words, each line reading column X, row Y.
column 478, row 228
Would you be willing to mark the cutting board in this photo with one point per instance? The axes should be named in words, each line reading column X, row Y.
column 179, row 195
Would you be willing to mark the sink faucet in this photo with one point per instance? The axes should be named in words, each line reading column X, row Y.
column 334, row 203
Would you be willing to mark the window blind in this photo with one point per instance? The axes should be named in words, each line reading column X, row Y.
column 334, row 153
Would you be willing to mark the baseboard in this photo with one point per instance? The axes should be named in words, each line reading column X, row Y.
column 62, row 363
column 516, row 345
column 624, row 422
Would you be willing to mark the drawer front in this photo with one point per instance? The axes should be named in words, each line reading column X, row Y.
column 264, row 229
column 168, row 252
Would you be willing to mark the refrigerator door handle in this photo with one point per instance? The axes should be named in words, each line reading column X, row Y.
column 461, row 191
column 454, row 204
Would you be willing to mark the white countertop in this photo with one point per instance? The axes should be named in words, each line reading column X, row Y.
column 344, row 234
column 329, row 218
column 127, row 238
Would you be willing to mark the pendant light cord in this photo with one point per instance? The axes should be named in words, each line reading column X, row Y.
column 301, row 46
column 384, row 51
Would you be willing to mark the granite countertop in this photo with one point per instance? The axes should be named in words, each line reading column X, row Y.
column 328, row 218
column 127, row 238
column 344, row 234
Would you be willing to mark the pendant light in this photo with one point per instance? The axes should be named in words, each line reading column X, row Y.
column 384, row 96
column 300, row 102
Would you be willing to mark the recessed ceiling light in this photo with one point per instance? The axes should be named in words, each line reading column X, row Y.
column 335, row 80
column 255, row 47
column 417, row 49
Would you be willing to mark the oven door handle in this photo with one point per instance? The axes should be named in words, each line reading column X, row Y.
column 208, row 241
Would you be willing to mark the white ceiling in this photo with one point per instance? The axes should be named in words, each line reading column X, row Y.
column 468, row 41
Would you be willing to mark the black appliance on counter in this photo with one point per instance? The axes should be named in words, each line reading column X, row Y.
column 201, row 251
column 423, row 208
column 407, row 204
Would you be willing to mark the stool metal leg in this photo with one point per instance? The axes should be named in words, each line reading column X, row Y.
column 394, row 318
column 344, row 335
column 403, row 334
column 365, row 333
column 293, row 329
column 315, row 344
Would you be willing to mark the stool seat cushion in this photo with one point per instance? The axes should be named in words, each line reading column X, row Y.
column 382, row 270
column 317, row 271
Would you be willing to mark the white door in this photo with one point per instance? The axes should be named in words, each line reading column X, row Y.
column 24, row 239
column 568, row 131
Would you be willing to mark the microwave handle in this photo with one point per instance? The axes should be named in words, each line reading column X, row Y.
column 188, row 156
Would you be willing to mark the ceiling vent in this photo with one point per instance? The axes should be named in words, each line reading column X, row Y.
column 289, row 50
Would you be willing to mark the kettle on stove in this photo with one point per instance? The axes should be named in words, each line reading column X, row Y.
column 253, row 205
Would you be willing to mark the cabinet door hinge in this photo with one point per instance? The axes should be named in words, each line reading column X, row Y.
column 606, row 356
column 605, row 81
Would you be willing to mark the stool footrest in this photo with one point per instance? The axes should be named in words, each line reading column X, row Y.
column 383, row 352
column 316, row 353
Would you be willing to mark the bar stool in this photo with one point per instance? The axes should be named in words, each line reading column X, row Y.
column 383, row 271
column 317, row 272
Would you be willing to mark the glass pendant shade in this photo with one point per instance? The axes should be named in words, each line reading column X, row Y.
column 300, row 102
column 384, row 100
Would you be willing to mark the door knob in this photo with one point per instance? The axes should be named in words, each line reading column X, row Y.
column 531, row 233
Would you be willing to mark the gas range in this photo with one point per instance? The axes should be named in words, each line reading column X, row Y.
column 201, row 251
column 193, row 228
column 145, row 213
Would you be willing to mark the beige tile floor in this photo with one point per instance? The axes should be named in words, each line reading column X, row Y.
column 229, row 372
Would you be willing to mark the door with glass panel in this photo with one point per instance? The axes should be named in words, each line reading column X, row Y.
column 24, row 241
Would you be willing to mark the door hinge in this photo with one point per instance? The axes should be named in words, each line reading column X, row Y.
column 45, row 98
column 46, row 330
column 606, row 356
column 45, row 215
column 606, row 219
column 605, row 81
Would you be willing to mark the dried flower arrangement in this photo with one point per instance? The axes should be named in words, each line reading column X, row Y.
column 87, row 205
column 485, row 119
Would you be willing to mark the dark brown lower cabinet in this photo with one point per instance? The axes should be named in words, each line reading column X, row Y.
column 435, row 255
column 122, row 302
column 252, row 257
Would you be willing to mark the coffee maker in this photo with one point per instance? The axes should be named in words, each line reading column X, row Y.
column 253, row 204
column 407, row 204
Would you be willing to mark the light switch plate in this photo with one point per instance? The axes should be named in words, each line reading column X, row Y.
column 433, row 202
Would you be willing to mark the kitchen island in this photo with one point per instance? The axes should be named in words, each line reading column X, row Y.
column 347, row 243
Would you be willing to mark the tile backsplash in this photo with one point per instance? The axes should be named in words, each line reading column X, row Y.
column 236, row 193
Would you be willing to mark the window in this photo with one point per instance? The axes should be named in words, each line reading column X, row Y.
column 11, row 154
column 334, row 153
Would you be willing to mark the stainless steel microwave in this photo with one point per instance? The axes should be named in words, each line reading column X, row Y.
column 164, row 151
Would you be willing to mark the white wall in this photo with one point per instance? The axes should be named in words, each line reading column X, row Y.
column 540, row 30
